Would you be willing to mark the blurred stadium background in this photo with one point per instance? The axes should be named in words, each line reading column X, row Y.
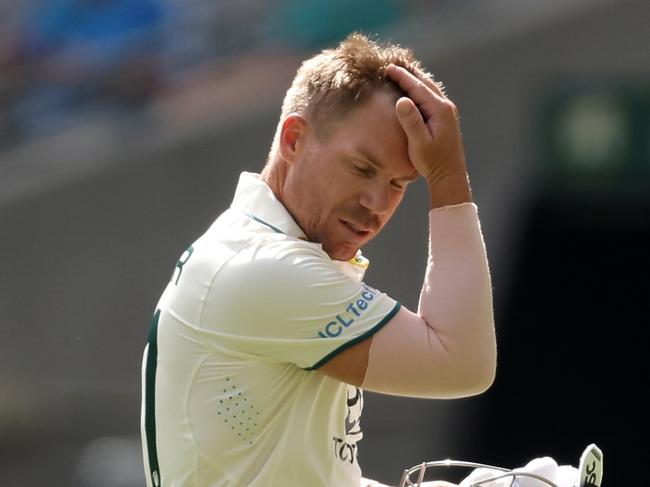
column 124, row 124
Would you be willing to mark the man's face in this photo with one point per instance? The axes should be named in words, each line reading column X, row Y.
column 342, row 191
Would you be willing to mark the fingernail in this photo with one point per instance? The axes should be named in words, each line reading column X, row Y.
column 404, row 108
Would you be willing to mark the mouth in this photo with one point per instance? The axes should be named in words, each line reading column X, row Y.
column 357, row 231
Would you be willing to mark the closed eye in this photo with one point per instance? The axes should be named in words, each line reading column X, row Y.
column 399, row 185
column 364, row 169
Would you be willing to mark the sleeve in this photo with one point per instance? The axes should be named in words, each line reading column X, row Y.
column 290, row 305
column 451, row 341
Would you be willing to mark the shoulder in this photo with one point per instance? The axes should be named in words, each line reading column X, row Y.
column 276, row 280
column 278, row 263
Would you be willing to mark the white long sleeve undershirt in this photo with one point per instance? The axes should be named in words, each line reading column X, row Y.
column 448, row 348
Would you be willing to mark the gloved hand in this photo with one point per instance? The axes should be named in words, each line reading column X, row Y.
column 588, row 474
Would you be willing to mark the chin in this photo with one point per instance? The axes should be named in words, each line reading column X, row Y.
column 343, row 253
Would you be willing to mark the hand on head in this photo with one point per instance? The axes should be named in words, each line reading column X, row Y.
column 430, row 121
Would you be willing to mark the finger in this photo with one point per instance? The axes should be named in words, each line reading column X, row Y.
column 426, row 99
column 417, row 89
column 411, row 121
column 428, row 80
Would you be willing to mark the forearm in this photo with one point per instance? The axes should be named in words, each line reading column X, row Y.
column 448, row 348
column 456, row 296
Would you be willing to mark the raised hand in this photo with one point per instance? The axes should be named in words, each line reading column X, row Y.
column 430, row 121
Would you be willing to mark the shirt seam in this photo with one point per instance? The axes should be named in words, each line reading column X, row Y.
column 204, row 298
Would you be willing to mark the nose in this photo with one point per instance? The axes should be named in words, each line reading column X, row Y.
column 378, row 199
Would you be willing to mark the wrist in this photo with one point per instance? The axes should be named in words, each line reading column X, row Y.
column 450, row 190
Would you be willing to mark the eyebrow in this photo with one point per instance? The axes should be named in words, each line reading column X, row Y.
column 376, row 162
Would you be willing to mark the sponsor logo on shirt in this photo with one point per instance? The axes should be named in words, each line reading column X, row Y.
column 347, row 317
column 345, row 449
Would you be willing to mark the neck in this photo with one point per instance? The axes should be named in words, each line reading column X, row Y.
column 274, row 175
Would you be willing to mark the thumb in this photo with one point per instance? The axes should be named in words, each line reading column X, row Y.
column 411, row 120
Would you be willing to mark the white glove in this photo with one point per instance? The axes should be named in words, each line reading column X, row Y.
column 545, row 467
column 589, row 473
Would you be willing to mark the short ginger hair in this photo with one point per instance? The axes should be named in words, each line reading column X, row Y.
column 335, row 81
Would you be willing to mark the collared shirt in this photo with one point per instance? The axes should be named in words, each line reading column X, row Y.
column 231, row 394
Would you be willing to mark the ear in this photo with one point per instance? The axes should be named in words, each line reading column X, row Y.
column 292, row 136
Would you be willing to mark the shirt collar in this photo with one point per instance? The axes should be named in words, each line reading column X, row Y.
column 254, row 198
column 257, row 201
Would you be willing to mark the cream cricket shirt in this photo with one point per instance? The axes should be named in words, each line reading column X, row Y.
column 231, row 395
